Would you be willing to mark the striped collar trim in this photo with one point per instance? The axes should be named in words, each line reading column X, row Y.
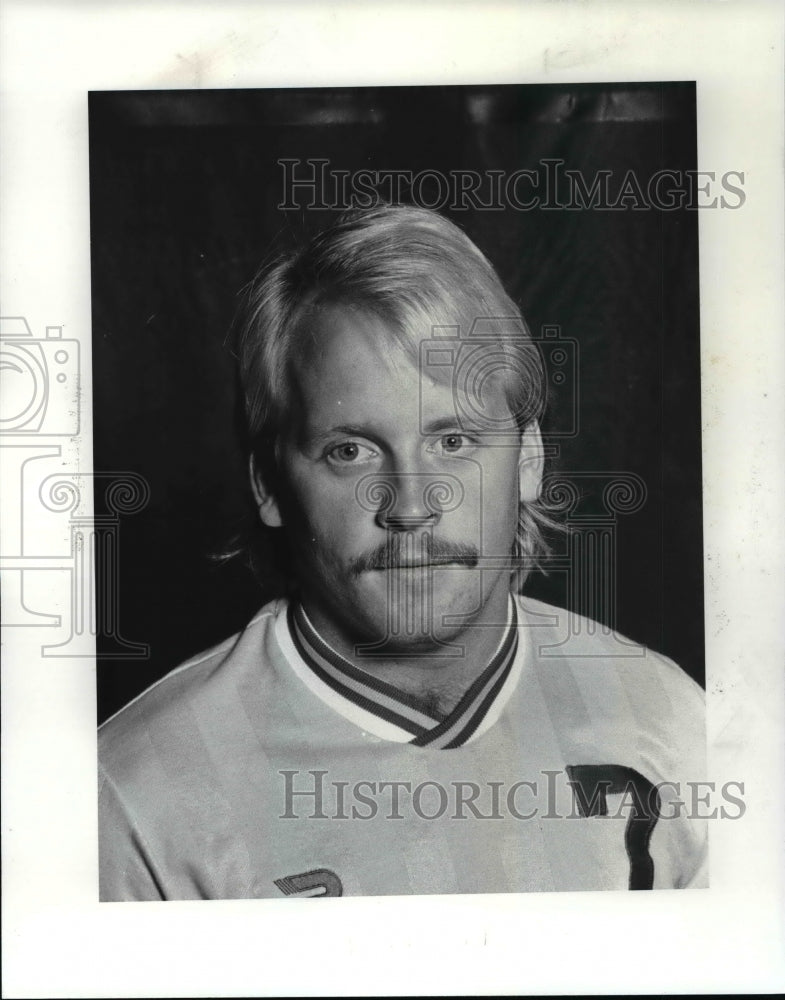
column 390, row 713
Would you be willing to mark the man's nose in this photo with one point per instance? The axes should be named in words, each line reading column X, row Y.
column 403, row 501
column 408, row 504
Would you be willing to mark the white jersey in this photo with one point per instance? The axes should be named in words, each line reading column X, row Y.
column 271, row 767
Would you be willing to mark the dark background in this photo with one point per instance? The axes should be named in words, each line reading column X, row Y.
column 184, row 189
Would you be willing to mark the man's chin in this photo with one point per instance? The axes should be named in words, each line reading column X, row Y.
column 407, row 610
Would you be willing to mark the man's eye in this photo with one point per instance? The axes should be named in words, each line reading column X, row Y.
column 453, row 442
column 350, row 452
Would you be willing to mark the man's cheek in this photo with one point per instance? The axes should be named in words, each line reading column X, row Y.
column 499, row 516
column 337, row 539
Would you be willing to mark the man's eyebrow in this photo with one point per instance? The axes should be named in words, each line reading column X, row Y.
column 448, row 424
column 351, row 430
column 437, row 426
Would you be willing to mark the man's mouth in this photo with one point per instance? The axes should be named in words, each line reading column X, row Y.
column 430, row 563
column 431, row 555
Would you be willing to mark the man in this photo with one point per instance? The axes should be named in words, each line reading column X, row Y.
column 402, row 721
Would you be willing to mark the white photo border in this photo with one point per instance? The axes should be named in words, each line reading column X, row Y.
column 58, row 940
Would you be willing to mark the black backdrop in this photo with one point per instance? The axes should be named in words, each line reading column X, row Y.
column 185, row 190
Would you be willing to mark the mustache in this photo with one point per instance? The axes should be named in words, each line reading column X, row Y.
column 399, row 553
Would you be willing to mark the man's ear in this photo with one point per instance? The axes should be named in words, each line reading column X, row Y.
column 269, row 511
column 530, row 463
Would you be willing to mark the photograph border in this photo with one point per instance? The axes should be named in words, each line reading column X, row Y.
column 725, row 939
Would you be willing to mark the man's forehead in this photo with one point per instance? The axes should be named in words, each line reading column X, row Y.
column 354, row 338
column 350, row 346
column 358, row 372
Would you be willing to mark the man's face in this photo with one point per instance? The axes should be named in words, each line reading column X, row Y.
column 402, row 521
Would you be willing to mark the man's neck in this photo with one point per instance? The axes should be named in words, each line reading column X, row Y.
column 438, row 678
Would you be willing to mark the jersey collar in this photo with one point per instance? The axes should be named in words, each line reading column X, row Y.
column 384, row 710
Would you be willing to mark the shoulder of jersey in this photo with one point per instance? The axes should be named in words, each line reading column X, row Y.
column 601, row 650
column 196, row 676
